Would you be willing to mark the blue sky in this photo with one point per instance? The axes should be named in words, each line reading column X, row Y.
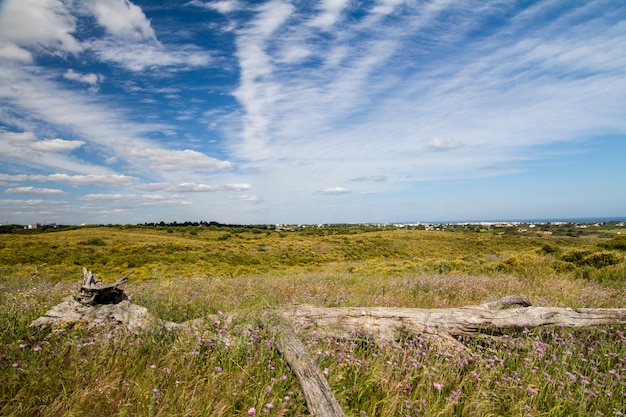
column 298, row 111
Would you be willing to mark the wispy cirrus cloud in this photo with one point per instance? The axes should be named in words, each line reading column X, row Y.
column 377, row 103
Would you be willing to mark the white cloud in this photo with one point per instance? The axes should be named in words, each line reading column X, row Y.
column 44, row 25
column 141, row 56
column 187, row 187
column 34, row 191
column 28, row 140
column 256, row 92
column 336, row 191
column 13, row 52
column 172, row 160
column 192, row 187
column 123, row 19
column 330, row 13
column 116, row 180
column 442, row 145
column 132, row 42
column 373, row 178
column 90, row 79
column 134, row 199
column 17, row 138
column 384, row 7
column 223, row 7
column 248, row 198
column 56, row 145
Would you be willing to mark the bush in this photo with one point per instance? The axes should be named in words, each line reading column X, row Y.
column 94, row 241
column 602, row 259
column 618, row 243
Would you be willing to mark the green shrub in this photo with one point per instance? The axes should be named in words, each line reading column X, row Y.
column 618, row 243
column 94, row 241
column 602, row 259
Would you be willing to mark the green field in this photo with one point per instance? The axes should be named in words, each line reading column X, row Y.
column 183, row 273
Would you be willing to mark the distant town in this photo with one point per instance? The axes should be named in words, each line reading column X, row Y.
column 557, row 228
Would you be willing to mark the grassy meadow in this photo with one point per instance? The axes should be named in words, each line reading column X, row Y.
column 183, row 273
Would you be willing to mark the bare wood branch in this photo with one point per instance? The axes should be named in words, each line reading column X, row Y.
column 319, row 397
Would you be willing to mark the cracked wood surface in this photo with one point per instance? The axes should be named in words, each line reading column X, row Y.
column 384, row 322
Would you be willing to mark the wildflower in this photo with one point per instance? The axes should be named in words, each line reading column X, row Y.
column 166, row 370
column 437, row 386
column 153, row 366
column 251, row 411
column 37, row 348
column 532, row 390
column 325, row 371
column 157, row 392
column 268, row 388
column 269, row 406
column 218, row 369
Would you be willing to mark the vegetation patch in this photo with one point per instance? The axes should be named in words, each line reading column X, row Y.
column 72, row 370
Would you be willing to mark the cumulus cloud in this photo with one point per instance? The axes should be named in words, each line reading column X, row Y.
column 172, row 160
column 117, row 180
column 192, row 187
column 44, row 25
column 90, row 79
column 442, row 145
column 123, row 19
column 56, row 145
column 12, row 52
column 34, row 191
column 29, row 140
column 336, row 191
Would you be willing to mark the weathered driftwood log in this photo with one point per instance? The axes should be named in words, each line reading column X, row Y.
column 94, row 292
column 382, row 322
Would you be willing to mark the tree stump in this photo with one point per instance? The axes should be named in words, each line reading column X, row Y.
column 99, row 304
column 93, row 292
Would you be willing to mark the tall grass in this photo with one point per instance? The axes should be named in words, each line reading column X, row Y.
column 71, row 370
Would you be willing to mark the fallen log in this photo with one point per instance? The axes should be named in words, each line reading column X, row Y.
column 384, row 322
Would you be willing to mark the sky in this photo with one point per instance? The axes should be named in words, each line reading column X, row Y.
column 311, row 111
